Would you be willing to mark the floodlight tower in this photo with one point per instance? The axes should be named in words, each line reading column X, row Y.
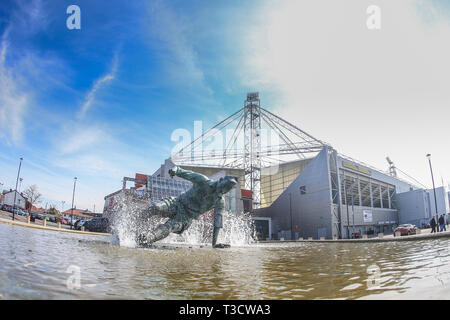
column 252, row 147
column 392, row 169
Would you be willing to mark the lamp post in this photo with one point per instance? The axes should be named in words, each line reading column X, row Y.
column 434, row 189
column 290, row 211
column 15, row 191
column 1, row 191
column 73, row 196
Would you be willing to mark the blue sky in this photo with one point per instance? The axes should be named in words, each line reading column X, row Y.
column 101, row 103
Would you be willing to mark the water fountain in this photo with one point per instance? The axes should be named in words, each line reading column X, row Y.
column 126, row 223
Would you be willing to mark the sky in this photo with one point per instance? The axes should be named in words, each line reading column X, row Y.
column 102, row 102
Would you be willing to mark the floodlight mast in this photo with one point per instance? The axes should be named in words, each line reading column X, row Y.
column 253, row 154
column 252, row 147
column 392, row 168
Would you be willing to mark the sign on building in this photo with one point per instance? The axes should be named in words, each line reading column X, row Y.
column 367, row 215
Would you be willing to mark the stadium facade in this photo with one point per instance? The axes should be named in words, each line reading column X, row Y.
column 298, row 188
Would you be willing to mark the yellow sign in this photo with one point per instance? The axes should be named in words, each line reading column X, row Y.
column 353, row 166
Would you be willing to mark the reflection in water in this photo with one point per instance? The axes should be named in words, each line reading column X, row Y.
column 34, row 263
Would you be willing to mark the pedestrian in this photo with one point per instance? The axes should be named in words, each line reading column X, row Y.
column 433, row 225
column 441, row 223
column 447, row 220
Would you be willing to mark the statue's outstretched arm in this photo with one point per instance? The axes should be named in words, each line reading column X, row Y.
column 219, row 208
column 192, row 176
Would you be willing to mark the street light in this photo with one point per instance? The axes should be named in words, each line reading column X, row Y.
column 73, row 196
column 17, row 181
column 434, row 189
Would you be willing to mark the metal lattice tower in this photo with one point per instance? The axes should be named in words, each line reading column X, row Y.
column 252, row 147
column 245, row 144
column 392, row 169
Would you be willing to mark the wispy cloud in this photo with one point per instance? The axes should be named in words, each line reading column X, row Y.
column 13, row 101
column 98, row 84
column 77, row 137
column 89, row 164
column 31, row 16
column 175, row 32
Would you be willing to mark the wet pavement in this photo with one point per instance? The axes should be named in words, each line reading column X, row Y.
column 38, row 264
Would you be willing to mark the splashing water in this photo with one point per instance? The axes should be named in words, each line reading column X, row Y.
column 127, row 221
column 238, row 230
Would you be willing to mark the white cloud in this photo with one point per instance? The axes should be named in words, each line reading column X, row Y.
column 88, row 164
column 175, row 32
column 31, row 16
column 13, row 101
column 98, row 84
column 369, row 93
column 86, row 149
column 80, row 138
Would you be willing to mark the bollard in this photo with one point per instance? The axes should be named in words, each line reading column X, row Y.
column 364, row 236
column 281, row 239
column 59, row 225
column 310, row 238
column 322, row 238
column 418, row 231
column 380, row 235
column 45, row 223
column 398, row 234
column 28, row 219
column 335, row 238
column 82, row 228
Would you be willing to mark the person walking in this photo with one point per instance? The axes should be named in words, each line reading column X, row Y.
column 441, row 223
column 433, row 225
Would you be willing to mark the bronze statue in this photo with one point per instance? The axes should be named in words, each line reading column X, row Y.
column 204, row 195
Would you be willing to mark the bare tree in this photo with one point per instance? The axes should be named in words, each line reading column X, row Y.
column 32, row 194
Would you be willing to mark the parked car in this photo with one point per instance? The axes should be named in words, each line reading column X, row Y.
column 63, row 221
column 52, row 219
column 406, row 229
column 20, row 212
column 97, row 225
column 79, row 224
column 39, row 216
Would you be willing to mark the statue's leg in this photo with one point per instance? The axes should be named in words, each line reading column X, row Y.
column 218, row 224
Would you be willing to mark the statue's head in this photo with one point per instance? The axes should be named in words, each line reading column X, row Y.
column 225, row 184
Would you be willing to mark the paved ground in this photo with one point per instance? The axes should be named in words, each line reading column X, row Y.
column 424, row 234
column 6, row 217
